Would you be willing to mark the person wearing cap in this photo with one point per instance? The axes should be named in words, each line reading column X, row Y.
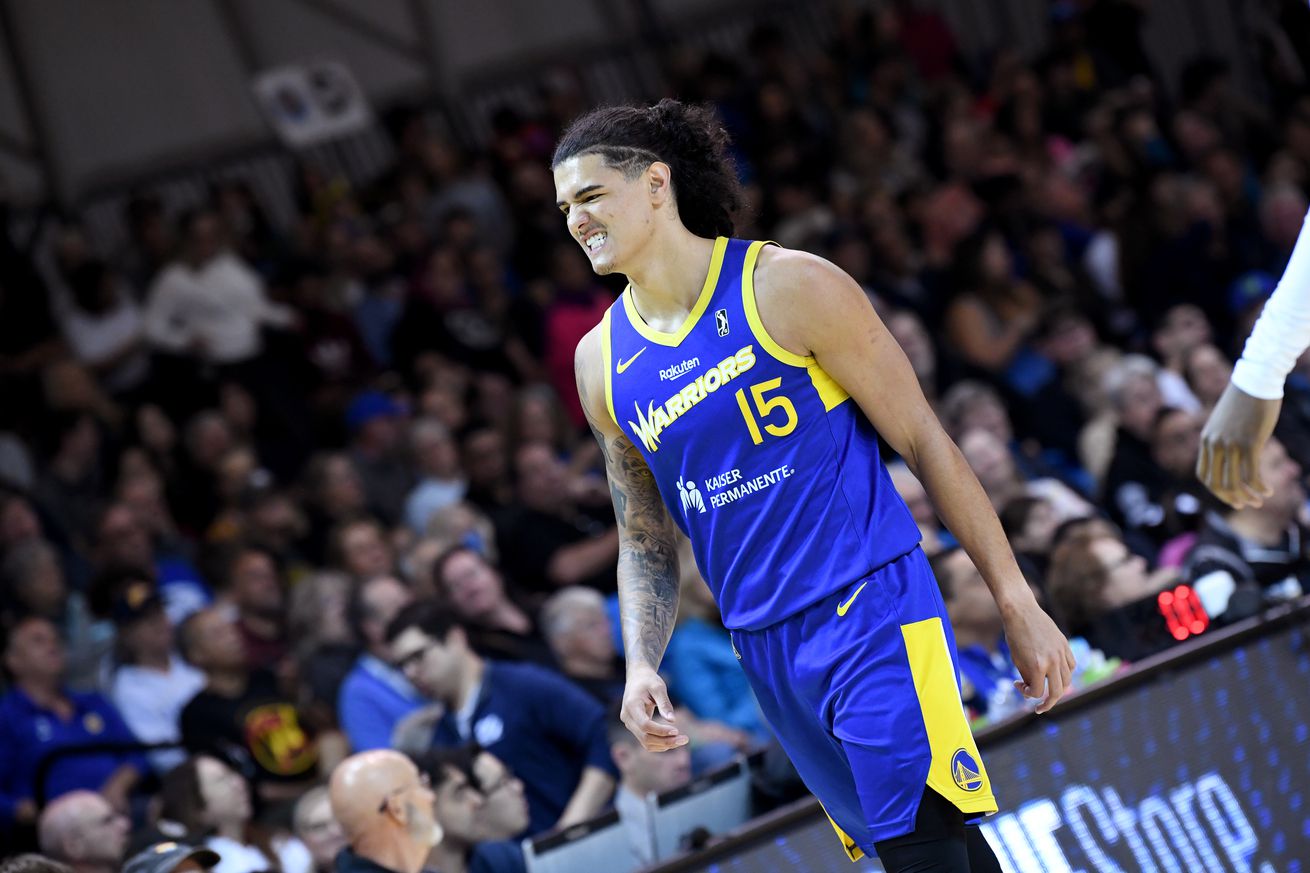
column 172, row 857
column 151, row 683
column 83, row 831
column 39, row 715
column 376, row 425
column 387, row 811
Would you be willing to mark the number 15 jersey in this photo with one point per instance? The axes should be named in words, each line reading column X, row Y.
column 762, row 459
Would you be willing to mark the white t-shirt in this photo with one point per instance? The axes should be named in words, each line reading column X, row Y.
column 96, row 338
column 222, row 304
column 151, row 702
column 234, row 857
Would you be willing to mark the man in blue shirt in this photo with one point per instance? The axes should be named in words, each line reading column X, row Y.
column 38, row 715
column 987, row 674
column 549, row 732
column 375, row 696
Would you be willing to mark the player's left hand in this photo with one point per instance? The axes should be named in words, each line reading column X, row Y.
column 1041, row 654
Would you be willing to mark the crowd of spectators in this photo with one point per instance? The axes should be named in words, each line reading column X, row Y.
column 270, row 496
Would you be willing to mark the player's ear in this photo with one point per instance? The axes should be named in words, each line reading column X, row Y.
column 659, row 182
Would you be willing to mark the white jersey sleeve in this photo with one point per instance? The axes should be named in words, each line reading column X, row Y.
column 1282, row 332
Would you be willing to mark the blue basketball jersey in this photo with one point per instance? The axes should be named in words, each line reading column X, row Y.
column 762, row 459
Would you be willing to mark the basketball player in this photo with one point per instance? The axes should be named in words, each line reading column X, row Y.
column 737, row 390
column 1244, row 417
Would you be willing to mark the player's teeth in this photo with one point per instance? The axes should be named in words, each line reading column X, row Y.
column 596, row 241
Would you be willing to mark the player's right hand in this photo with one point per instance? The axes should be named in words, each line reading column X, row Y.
column 1231, row 443
column 647, row 711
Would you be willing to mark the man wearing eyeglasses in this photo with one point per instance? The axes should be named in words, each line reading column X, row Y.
column 481, row 808
column 549, row 732
column 387, row 810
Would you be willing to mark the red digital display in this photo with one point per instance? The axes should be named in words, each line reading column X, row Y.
column 1182, row 611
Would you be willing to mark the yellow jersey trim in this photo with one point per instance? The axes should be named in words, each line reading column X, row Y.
column 829, row 391
column 848, row 846
column 702, row 303
column 605, row 358
column 949, row 737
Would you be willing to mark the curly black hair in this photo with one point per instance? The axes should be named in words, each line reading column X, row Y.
column 689, row 138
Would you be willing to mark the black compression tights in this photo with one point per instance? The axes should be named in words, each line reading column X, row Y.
column 939, row 843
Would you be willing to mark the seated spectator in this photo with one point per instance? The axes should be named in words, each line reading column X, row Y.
column 703, row 671
column 243, row 713
column 72, row 487
column 1181, row 328
column 209, row 304
column 505, row 806
column 545, row 729
column 970, row 404
column 313, row 825
column 497, row 627
column 359, row 547
column 1207, row 371
column 577, row 628
column 334, row 494
column 171, row 857
column 152, row 683
column 376, row 425
column 440, row 480
column 104, row 327
column 375, row 696
column 34, row 584
column 1134, row 394
column 1263, row 549
column 641, row 774
column 1030, row 524
column 387, row 811
column 124, row 541
column 987, row 674
column 1175, row 445
column 38, row 716
column 83, row 831
column 325, row 651
column 932, row 536
column 989, row 322
column 461, row 809
column 484, row 459
column 1094, row 585
column 547, row 540
column 252, row 587
column 212, row 801
column 994, row 466
column 463, row 524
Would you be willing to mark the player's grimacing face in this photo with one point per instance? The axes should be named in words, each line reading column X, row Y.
column 598, row 204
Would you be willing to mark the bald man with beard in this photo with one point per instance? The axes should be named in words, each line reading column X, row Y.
column 385, row 808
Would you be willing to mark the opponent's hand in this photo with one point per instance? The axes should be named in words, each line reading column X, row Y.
column 1041, row 654
column 645, row 703
column 1231, row 443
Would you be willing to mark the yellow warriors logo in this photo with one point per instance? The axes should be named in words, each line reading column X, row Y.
column 650, row 425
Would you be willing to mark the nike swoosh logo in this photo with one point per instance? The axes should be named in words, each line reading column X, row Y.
column 843, row 607
column 623, row 365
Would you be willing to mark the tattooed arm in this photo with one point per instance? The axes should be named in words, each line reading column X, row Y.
column 648, row 559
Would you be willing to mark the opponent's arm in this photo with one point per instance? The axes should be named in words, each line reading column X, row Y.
column 812, row 307
column 1245, row 416
column 648, row 559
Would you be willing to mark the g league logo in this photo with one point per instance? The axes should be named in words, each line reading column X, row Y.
column 721, row 320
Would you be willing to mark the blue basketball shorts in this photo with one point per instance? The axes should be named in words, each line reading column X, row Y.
column 862, row 690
